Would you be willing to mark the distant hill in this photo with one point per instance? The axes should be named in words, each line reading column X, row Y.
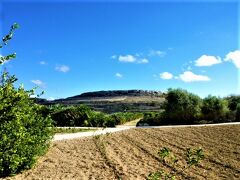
column 117, row 93
column 115, row 101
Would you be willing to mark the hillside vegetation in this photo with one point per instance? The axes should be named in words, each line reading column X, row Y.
column 115, row 101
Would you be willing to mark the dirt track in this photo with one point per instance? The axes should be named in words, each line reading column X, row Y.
column 132, row 154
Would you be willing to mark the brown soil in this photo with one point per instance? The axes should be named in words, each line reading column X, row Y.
column 132, row 154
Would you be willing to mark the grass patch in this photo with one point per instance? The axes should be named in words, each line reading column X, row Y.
column 58, row 130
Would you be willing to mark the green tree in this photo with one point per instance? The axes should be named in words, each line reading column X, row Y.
column 238, row 112
column 214, row 109
column 24, row 133
column 182, row 107
column 233, row 101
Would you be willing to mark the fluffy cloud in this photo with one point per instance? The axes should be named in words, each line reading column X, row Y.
column 38, row 82
column 127, row 58
column 189, row 76
column 62, row 68
column 156, row 53
column 206, row 60
column 118, row 75
column 234, row 57
column 166, row 75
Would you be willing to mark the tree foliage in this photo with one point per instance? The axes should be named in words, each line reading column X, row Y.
column 214, row 109
column 238, row 112
column 24, row 133
column 182, row 106
column 233, row 101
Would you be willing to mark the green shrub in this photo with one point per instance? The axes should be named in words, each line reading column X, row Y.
column 151, row 119
column 71, row 116
column 24, row 133
column 98, row 119
column 123, row 117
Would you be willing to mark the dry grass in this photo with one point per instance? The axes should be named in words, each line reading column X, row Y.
column 132, row 154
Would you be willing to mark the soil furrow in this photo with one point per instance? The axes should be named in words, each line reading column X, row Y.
column 133, row 154
column 141, row 146
column 100, row 145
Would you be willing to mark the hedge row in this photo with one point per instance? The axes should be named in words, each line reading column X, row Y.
column 82, row 115
column 182, row 107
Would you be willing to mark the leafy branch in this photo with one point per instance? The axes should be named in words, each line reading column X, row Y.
column 5, row 41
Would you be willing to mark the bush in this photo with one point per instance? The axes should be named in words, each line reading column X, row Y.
column 123, row 117
column 233, row 101
column 82, row 115
column 71, row 116
column 181, row 107
column 24, row 133
column 151, row 119
column 215, row 109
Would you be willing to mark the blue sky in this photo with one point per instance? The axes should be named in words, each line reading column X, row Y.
column 71, row 47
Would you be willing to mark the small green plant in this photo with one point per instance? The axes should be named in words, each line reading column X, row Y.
column 193, row 158
column 163, row 153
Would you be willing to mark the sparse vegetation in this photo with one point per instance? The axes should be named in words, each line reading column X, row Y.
column 61, row 130
column 193, row 158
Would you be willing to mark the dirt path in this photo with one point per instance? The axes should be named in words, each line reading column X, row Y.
column 58, row 137
column 132, row 154
column 132, row 123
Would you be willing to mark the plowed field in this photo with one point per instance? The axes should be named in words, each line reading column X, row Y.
column 132, row 154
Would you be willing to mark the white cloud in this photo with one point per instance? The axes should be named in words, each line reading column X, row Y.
column 43, row 62
column 206, row 60
column 118, row 75
column 38, row 82
column 166, row 75
column 127, row 58
column 62, row 68
column 234, row 57
column 189, row 76
column 143, row 61
column 156, row 53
